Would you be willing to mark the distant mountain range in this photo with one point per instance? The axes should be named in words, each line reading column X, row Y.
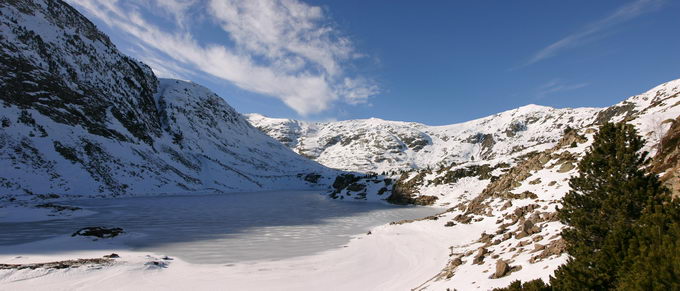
column 376, row 145
column 496, row 142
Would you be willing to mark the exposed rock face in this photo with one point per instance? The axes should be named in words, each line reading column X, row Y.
column 623, row 110
column 667, row 160
column 511, row 179
column 83, row 119
column 405, row 187
column 74, row 75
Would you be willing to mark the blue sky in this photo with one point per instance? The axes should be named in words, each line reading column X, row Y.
column 439, row 63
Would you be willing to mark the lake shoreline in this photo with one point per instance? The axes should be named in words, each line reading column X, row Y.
column 385, row 257
column 371, row 261
column 386, row 250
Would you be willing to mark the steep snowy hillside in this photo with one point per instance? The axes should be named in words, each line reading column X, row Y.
column 514, row 211
column 78, row 117
column 375, row 145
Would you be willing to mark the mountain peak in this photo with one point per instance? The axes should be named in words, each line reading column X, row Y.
column 534, row 107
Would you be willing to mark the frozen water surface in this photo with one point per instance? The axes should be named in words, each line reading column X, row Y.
column 225, row 228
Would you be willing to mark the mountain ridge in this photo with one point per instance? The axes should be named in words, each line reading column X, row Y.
column 294, row 133
column 451, row 163
column 80, row 118
column 469, row 139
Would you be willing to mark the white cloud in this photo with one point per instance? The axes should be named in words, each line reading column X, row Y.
column 593, row 31
column 357, row 91
column 281, row 48
column 556, row 85
column 278, row 30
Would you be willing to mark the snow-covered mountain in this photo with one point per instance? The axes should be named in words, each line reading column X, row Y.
column 505, row 198
column 430, row 160
column 375, row 145
column 78, row 117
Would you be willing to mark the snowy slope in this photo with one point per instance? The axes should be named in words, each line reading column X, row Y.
column 80, row 118
column 515, row 212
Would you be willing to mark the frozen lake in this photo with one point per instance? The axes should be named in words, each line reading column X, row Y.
column 224, row 228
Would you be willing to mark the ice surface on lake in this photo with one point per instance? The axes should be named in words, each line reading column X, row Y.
column 225, row 228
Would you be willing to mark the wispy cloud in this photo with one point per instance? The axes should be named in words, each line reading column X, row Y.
column 594, row 30
column 281, row 48
column 556, row 85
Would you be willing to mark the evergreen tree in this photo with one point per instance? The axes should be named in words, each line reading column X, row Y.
column 534, row 285
column 624, row 227
column 607, row 198
column 653, row 258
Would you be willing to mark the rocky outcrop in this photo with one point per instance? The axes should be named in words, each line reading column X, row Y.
column 554, row 248
column 59, row 264
column 405, row 187
column 450, row 269
column 356, row 186
column 667, row 161
column 503, row 185
column 478, row 259
column 73, row 74
column 99, row 232
column 447, row 175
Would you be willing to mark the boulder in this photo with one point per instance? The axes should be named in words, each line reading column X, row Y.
column 566, row 167
column 479, row 257
column 502, row 268
column 554, row 248
column 99, row 232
